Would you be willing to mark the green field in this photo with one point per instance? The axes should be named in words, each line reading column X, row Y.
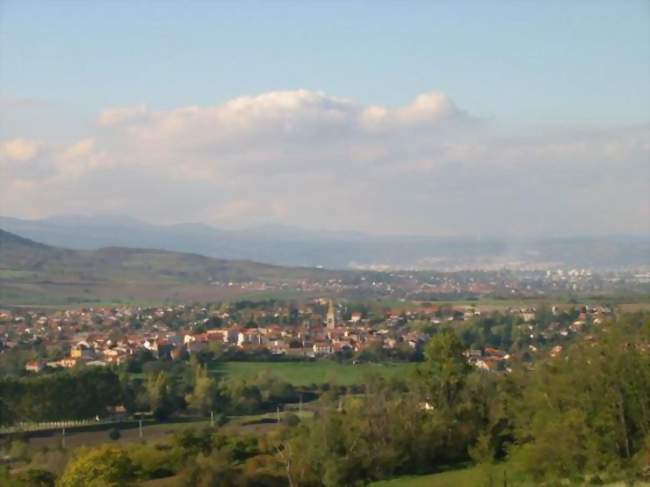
column 307, row 373
column 467, row 477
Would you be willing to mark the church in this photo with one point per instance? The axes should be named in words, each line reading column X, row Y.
column 330, row 319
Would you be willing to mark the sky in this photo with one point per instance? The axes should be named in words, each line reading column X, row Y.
column 432, row 118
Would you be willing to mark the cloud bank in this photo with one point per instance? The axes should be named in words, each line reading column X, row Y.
column 309, row 159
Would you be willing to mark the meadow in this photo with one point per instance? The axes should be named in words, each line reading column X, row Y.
column 463, row 477
column 308, row 373
column 472, row 476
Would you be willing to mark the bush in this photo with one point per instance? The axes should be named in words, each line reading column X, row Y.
column 19, row 450
column 52, row 460
column 35, row 477
column 155, row 461
column 106, row 465
column 114, row 434
column 291, row 420
column 220, row 419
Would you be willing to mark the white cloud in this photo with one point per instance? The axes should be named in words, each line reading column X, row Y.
column 18, row 150
column 83, row 148
column 121, row 115
column 306, row 158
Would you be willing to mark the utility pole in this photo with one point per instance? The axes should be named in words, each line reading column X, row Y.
column 140, row 427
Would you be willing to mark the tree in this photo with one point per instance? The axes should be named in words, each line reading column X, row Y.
column 114, row 434
column 204, row 395
column 444, row 371
column 214, row 469
column 159, row 394
column 103, row 466
column 586, row 411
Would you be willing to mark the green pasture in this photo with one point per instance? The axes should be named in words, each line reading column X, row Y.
column 307, row 373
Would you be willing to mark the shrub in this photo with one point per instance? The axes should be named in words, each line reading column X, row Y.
column 35, row 477
column 114, row 434
column 291, row 420
column 106, row 465
column 19, row 450
column 155, row 461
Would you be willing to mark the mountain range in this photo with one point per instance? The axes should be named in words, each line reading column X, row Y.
column 290, row 246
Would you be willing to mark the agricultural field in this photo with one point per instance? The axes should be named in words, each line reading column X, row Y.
column 307, row 373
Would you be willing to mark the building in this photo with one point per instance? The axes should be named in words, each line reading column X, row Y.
column 34, row 366
column 330, row 319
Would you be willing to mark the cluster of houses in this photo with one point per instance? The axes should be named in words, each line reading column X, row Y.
column 107, row 336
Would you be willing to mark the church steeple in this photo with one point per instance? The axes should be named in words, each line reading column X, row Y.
column 331, row 316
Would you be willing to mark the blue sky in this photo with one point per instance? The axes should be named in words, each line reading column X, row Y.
column 523, row 117
column 569, row 62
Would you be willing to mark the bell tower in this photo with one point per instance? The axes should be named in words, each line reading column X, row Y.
column 330, row 320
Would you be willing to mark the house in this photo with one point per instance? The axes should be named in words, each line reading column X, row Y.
column 528, row 316
column 252, row 337
column 195, row 347
column 496, row 353
column 487, row 364
column 69, row 362
column 322, row 348
column 151, row 344
column 278, row 347
column 217, row 336
column 474, row 353
column 82, row 350
column 342, row 346
column 34, row 366
column 96, row 363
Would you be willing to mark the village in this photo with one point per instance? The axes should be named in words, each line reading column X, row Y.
column 318, row 328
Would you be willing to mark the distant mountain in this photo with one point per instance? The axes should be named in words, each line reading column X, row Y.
column 23, row 254
column 38, row 273
column 290, row 246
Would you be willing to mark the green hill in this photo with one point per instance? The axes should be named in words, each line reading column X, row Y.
column 33, row 273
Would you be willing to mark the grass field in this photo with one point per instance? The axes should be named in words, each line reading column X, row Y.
column 467, row 477
column 307, row 373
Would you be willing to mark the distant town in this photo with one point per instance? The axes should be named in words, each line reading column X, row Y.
column 505, row 283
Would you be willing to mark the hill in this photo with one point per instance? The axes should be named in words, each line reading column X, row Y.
column 31, row 272
column 289, row 246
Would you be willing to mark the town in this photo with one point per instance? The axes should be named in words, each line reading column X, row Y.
column 316, row 328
